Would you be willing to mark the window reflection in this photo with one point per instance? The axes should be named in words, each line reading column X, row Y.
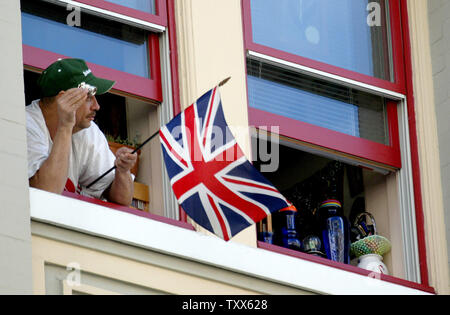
column 340, row 33
column 141, row 5
column 107, row 43
column 290, row 94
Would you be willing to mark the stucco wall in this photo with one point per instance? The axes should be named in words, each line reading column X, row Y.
column 439, row 17
column 15, row 238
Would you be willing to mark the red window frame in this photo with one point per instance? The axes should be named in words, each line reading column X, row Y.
column 329, row 139
column 147, row 88
column 159, row 18
column 354, row 146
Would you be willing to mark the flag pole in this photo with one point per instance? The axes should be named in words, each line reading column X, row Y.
column 222, row 83
column 269, row 223
column 114, row 167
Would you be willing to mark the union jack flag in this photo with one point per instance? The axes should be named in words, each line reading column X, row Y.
column 212, row 179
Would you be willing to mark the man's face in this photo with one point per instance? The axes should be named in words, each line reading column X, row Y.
column 86, row 113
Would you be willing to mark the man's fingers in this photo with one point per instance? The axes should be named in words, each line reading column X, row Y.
column 128, row 157
column 125, row 160
column 80, row 101
column 73, row 97
column 78, row 98
column 65, row 95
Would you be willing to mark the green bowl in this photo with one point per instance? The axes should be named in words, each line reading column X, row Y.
column 374, row 244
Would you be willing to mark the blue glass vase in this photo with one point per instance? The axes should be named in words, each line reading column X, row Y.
column 289, row 233
column 335, row 231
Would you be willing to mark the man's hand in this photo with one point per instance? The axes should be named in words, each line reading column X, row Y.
column 125, row 160
column 68, row 103
column 121, row 189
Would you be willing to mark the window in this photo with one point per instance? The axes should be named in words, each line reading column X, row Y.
column 310, row 110
column 141, row 5
column 151, row 11
column 326, row 80
column 359, row 40
column 115, row 45
column 128, row 43
column 126, row 54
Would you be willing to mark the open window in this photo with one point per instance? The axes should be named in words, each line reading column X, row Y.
column 309, row 177
column 125, row 41
column 326, row 95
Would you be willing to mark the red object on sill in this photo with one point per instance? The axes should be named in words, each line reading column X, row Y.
column 344, row 267
column 158, row 18
column 290, row 208
column 132, row 211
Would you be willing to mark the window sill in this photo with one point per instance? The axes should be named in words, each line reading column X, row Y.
column 343, row 267
column 130, row 210
column 165, row 235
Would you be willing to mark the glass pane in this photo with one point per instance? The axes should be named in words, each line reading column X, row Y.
column 141, row 5
column 350, row 34
column 103, row 42
column 317, row 102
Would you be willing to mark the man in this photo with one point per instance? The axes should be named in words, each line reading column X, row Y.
column 66, row 149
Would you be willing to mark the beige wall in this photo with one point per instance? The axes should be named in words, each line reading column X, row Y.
column 15, row 239
column 428, row 147
column 439, row 15
column 68, row 262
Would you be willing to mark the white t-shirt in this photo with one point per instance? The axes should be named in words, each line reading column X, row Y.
column 90, row 155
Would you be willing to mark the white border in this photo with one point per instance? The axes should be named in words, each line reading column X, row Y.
column 406, row 199
column 325, row 75
column 114, row 16
column 171, row 208
column 138, row 231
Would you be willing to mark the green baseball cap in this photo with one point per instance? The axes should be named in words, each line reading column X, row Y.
column 66, row 74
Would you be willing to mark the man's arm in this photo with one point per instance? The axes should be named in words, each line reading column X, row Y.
column 122, row 188
column 52, row 175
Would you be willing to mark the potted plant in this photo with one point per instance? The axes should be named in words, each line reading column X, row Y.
column 117, row 142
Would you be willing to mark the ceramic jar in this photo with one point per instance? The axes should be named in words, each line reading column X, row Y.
column 373, row 262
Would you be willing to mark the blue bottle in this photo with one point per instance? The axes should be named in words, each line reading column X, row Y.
column 335, row 231
column 289, row 235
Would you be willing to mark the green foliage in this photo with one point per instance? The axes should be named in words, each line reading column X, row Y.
column 132, row 143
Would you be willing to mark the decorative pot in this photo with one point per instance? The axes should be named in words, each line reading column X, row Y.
column 373, row 262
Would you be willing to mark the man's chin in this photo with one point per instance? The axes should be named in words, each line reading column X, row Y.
column 82, row 126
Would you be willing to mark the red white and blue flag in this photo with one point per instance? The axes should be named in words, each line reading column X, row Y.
column 212, row 179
